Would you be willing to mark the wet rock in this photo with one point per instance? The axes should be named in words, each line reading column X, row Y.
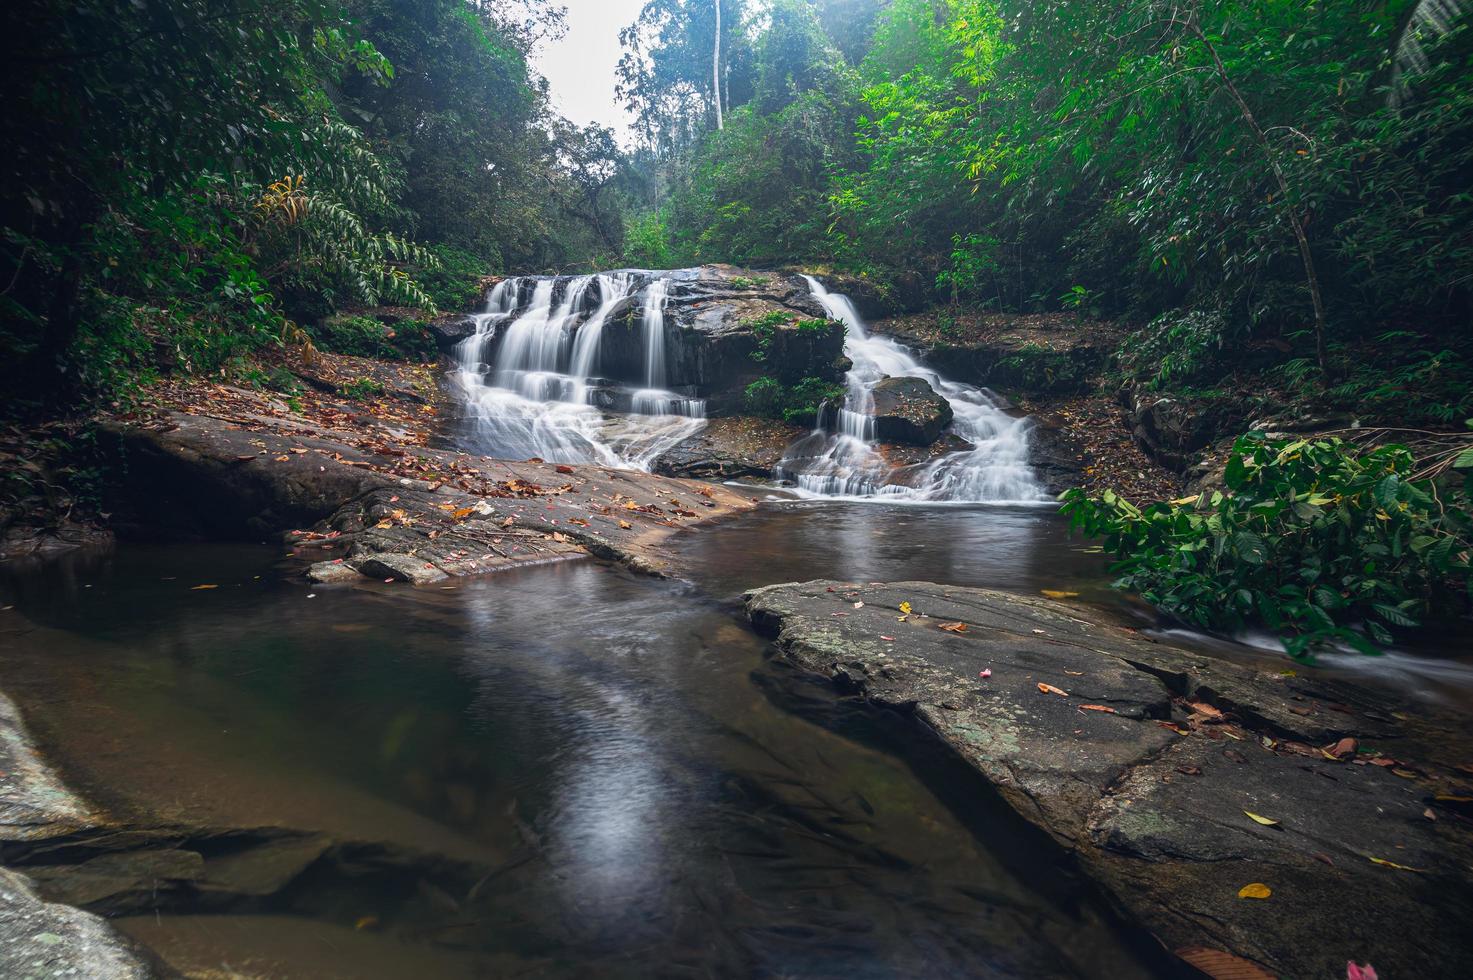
column 1065, row 727
column 42, row 939
column 726, row 327
column 907, row 410
column 401, row 568
column 357, row 490
column 333, row 573
column 123, row 882
column 730, row 448
column 1039, row 354
column 450, row 330
column 34, row 804
column 264, row 869
column 1171, row 429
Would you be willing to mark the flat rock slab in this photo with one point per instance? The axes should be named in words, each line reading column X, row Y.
column 1146, row 760
column 382, row 504
column 34, row 804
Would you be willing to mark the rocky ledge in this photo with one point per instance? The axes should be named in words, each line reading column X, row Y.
column 39, row 938
column 1178, row 781
column 360, row 491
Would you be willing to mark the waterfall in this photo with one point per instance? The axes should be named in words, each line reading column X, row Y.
column 544, row 396
column 842, row 460
column 654, row 334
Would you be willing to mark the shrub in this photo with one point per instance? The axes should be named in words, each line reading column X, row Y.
column 364, row 336
column 1175, row 348
column 453, row 280
column 797, row 403
column 361, row 389
column 1316, row 539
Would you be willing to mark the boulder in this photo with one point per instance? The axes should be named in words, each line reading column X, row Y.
column 1038, row 354
column 401, row 568
column 907, row 410
column 43, row 939
column 721, row 332
column 1146, row 761
column 730, row 448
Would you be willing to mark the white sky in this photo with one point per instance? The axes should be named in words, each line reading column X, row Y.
column 580, row 67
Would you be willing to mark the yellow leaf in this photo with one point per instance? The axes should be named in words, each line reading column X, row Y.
column 905, row 608
column 1256, row 890
column 1263, row 820
column 1056, row 594
column 198, row 588
column 462, row 513
column 625, row 525
column 1393, row 864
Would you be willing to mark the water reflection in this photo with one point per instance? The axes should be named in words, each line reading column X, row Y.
column 593, row 742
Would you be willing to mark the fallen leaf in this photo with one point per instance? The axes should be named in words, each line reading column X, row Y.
column 1056, row 594
column 984, row 674
column 1189, row 770
column 565, row 469
column 953, row 627
column 859, row 605
column 1342, row 748
column 1235, row 755
column 1205, row 710
column 625, row 525
column 1075, row 673
column 462, row 513
column 888, row 639
column 1256, row 890
column 1050, row 689
column 199, row 588
column 1392, row 864
column 1222, row 966
column 1263, row 820
column 1099, row 707
column 905, row 608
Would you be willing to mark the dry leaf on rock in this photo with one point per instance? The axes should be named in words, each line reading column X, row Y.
column 1050, row 689
column 1223, row 966
column 1256, row 890
column 1267, row 822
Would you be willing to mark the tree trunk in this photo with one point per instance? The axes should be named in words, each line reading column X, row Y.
column 1311, row 274
column 716, row 69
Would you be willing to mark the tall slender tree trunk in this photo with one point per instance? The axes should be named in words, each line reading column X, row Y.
column 716, row 69
column 1296, row 220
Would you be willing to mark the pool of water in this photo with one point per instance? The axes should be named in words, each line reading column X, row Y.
column 654, row 796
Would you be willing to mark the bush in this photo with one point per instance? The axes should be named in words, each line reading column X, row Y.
column 1315, row 539
column 1175, row 348
column 364, row 336
column 453, row 280
column 797, row 403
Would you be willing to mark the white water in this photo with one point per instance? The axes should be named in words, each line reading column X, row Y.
column 537, row 400
column 841, row 460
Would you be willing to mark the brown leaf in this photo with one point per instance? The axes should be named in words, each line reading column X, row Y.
column 1099, row 707
column 565, row 469
column 1189, row 770
column 1223, row 966
column 625, row 525
column 1235, row 755
column 461, row 513
column 1343, row 748
column 1050, row 689
column 1205, row 710
column 953, row 627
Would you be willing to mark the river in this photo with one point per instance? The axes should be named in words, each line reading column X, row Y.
column 662, row 799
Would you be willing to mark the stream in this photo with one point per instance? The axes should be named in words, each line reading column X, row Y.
column 658, row 799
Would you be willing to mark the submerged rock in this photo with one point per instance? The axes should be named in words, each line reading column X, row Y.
column 1088, row 731
column 907, row 410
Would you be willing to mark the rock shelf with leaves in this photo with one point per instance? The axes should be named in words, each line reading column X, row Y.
column 1174, row 778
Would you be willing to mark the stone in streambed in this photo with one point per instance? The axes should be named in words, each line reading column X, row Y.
column 333, row 573
column 43, row 939
column 907, row 410
column 1157, row 818
column 402, row 568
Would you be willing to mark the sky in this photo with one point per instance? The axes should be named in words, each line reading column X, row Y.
column 580, row 66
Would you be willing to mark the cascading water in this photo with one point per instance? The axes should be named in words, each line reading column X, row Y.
column 841, row 460
column 543, row 396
